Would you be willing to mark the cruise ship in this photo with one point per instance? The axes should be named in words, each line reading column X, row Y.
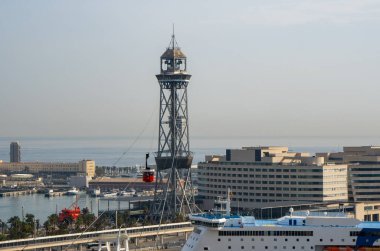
column 222, row 231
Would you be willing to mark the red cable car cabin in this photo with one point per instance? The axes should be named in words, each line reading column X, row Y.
column 148, row 175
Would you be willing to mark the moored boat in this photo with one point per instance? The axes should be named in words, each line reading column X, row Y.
column 72, row 191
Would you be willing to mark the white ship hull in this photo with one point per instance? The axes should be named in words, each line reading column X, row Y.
column 322, row 239
column 220, row 231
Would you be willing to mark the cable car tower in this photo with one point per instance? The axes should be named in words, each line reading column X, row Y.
column 173, row 191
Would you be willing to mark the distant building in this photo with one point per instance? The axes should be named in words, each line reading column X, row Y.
column 15, row 153
column 261, row 177
column 46, row 169
column 79, row 181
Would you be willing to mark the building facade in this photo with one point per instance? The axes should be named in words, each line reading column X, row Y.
column 363, row 171
column 15, row 152
column 262, row 177
column 43, row 169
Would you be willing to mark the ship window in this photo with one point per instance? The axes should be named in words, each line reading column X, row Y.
column 331, row 240
column 253, row 247
column 320, row 240
column 242, row 247
column 266, row 247
column 218, row 239
column 206, row 248
column 253, row 239
column 294, row 247
column 229, row 247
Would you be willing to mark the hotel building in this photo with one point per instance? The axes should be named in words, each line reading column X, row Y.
column 262, row 177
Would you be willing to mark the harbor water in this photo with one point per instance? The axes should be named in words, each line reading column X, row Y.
column 41, row 207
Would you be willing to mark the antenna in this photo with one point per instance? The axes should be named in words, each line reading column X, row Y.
column 173, row 37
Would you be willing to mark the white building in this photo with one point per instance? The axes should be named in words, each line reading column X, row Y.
column 262, row 177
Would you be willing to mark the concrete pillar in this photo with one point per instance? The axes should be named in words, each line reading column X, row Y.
column 126, row 244
column 186, row 235
column 162, row 240
column 108, row 246
column 136, row 242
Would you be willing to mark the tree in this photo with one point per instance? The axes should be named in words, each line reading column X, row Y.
column 3, row 237
column 51, row 223
column 79, row 223
column 3, row 226
column 99, row 171
column 29, row 224
column 16, row 228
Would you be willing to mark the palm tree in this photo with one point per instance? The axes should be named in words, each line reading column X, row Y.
column 51, row 223
column 30, row 223
column 17, row 228
column 3, row 225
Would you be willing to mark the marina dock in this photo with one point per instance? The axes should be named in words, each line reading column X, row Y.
column 16, row 192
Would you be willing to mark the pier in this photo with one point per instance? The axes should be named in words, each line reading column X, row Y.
column 55, row 194
column 16, row 192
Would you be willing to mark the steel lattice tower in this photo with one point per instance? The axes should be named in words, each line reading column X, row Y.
column 174, row 192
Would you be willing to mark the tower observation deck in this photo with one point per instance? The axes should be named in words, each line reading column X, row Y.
column 173, row 157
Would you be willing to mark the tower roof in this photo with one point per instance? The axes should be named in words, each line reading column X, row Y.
column 173, row 51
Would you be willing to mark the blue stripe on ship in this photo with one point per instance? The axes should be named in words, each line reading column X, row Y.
column 367, row 237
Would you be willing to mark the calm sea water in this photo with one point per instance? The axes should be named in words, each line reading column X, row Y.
column 122, row 151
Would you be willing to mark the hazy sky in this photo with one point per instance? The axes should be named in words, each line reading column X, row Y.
column 260, row 68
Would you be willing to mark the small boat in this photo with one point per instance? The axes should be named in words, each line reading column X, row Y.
column 49, row 193
column 72, row 191
column 126, row 193
column 95, row 192
column 109, row 194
